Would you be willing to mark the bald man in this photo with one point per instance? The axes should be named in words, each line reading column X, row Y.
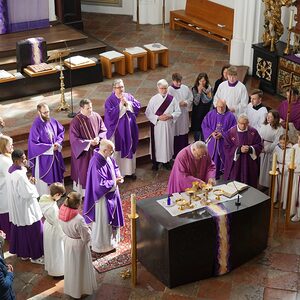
column 242, row 148
column 102, row 203
column 214, row 127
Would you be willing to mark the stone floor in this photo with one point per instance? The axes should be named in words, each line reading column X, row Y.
column 275, row 274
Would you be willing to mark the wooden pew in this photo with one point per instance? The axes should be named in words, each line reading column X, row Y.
column 207, row 18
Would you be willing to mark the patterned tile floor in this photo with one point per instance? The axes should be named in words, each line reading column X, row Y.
column 274, row 274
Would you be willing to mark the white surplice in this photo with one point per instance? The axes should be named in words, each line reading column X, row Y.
column 256, row 117
column 163, row 130
column 79, row 271
column 295, row 203
column 270, row 137
column 23, row 205
column 5, row 163
column 53, row 237
column 182, row 125
column 236, row 97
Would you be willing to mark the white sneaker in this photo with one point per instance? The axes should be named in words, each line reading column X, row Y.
column 39, row 261
column 295, row 218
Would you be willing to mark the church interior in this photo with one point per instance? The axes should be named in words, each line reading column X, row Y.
column 275, row 272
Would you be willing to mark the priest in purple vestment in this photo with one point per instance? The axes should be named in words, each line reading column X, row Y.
column 44, row 149
column 242, row 147
column 120, row 114
column 192, row 163
column 102, row 203
column 214, row 127
column 86, row 130
column 294, row 116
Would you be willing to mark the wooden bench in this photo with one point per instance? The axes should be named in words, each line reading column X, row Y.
column 207, row 18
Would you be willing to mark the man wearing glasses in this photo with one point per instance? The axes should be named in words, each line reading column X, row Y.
column 120, row 114
column 44, row 149
column 102, row 203
column 162, row 111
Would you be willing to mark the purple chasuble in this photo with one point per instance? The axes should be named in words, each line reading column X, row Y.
column 187, row 169
column 160, row 111
column 124, row 129
column 42, row 136
column 82, row 130
column 100, row 181
column 215, row 122
column 294, row 116
column 245, row 169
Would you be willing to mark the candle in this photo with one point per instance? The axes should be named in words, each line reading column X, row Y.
column 292, row 165
column 291, row 19
column 274, row 162
column 133, row 205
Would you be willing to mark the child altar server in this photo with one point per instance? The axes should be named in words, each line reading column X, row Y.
column 279, row 150
column 53, row 234
column 295, row 204
column 80, row 276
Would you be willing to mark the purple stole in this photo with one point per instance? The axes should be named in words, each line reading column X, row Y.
column 160, row 111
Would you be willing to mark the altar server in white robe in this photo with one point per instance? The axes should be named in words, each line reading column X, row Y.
column 270, row 132
column 279, row 150
column 53, row 234
column 24, row 212
column 79, row 272
column 295, row 203
column 233, row 92
column 184, row 96
column 162, row 111
column 256, row 112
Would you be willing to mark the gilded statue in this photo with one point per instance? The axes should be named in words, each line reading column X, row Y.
column 273, row 25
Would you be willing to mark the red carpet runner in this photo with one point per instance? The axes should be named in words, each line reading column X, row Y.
column 121, row 257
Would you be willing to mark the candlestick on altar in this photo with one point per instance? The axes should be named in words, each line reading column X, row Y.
column 274, row 163
column 292, row 164
column 291, row 19
column 133, row 217
column 133, row 204
column 292, row 168
column 273, row 176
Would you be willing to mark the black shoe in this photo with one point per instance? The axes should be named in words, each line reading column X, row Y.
column 132, row 176
column 167, row 166
column 155, row 167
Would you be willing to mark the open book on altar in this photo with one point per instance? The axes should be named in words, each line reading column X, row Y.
column 231, row 188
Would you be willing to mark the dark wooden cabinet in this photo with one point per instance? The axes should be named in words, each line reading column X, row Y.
column 69, row 12
column 265, row 65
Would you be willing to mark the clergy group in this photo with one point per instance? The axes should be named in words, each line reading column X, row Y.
column 234, row 138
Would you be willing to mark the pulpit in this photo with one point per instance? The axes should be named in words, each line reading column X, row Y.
column 69, row 12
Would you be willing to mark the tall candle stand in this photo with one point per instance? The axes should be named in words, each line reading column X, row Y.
column 133, row 216
column 273, row 175
column 289, row 194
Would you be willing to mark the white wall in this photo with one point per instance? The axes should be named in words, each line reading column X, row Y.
column 228, row 3
column 129, row 7
column 126, row 9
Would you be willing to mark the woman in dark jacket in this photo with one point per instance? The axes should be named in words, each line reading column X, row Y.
column 222, row 78
column 6, row 276
column 202, row 102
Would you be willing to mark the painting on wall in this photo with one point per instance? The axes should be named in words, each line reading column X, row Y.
column 103, row 2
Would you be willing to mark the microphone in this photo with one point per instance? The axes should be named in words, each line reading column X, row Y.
column 237, row 202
